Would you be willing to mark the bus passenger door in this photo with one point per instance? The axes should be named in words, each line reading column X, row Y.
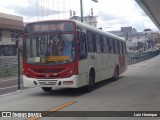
column 82, row 60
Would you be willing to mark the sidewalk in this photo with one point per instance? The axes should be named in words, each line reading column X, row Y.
column 9, row 78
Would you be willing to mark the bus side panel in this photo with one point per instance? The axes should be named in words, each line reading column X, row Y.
column 83, row 72
column 113, row 64
column 104, row 66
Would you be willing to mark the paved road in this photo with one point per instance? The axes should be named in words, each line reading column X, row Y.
column 137, row 90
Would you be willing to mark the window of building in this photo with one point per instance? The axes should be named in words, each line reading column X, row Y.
column 8, row 50
column 13, row 34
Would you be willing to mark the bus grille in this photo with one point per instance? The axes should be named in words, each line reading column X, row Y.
column 57, row 70
column 47, row 82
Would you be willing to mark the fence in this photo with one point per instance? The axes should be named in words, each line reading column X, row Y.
column 9, row 70
column 8, row 67
column 9, row 75
column 133, row 58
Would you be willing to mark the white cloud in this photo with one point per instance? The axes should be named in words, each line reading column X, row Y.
column 123, row 13
column 112, row 14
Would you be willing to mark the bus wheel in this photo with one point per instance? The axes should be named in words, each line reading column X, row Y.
column 91, row 83
column 47, row 89
column 116, row 74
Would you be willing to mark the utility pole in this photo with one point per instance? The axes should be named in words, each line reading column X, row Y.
column 81, row 7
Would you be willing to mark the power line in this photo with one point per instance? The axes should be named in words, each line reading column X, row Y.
column 51, row 9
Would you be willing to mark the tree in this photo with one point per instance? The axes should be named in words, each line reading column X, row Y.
column 146, row 30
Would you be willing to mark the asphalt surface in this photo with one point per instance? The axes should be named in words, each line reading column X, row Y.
column 137, row 90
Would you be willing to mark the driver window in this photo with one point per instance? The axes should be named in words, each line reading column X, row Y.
column 82, row 45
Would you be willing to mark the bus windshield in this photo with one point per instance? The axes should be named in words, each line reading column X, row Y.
column 49, row 49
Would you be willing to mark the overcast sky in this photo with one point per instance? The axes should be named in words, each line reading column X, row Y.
column 112, row 14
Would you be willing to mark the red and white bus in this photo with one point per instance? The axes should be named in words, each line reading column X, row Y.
column 70, row 54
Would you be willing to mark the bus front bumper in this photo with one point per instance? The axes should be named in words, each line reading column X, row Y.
column 54, row 83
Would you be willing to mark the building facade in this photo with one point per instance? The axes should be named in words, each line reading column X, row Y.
column 140, row 41
column 10, row 25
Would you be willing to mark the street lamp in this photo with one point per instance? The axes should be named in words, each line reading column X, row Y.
column 81, row 7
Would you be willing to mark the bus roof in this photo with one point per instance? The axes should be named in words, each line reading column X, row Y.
column 89, row 27
column 85, row 26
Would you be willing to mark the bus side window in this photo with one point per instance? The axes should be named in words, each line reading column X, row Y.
column 125, row 50
column 82, row 45
column 122, row 48
column 0, row 35
column 105, row 45
column 94, row 43
column 102, row 44
column 109, row 45
column 118, row 47
column 114, row 47
column 90, row 41
column 98, row 43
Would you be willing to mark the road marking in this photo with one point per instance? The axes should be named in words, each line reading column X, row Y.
column 53, row 110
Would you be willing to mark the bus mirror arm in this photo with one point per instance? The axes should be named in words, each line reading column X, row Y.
column 17, row 39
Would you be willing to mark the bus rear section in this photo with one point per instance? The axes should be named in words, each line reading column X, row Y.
column 101, row 56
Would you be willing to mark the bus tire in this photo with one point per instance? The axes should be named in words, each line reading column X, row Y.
column 91, row 82
column 116, row 74
column 47, row 89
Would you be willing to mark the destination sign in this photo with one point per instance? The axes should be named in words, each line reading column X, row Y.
column 49, row 27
